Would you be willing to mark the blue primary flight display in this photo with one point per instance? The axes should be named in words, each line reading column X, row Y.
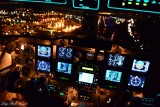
column 140, row 66
column 44, row 51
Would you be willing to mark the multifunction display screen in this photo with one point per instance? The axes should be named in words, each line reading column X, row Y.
column 64, row 67
column 86, row 77
column 114, row 76
column 136, row 81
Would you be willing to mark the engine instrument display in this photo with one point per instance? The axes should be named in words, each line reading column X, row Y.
column 65, row 52
column 116, row 60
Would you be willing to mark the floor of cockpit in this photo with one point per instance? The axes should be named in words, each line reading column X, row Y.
column 10, row 99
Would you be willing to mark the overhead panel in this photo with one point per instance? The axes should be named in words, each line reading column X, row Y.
column 45, row 1
column 148, row 6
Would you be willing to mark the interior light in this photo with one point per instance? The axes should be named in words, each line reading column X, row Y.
column 22, row 47
column 144, row 4
column 61, row 94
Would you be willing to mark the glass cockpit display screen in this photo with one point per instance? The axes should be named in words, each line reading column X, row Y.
column 45, row 1
column 140, row 66
column 150, row 6
column 116, row 60
column 114, row 76
column 86, row 77
column 136, row 81
column 65, row 52
column 64, row 67
column 43, row 65
column 86, row 4
column 44, row 51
